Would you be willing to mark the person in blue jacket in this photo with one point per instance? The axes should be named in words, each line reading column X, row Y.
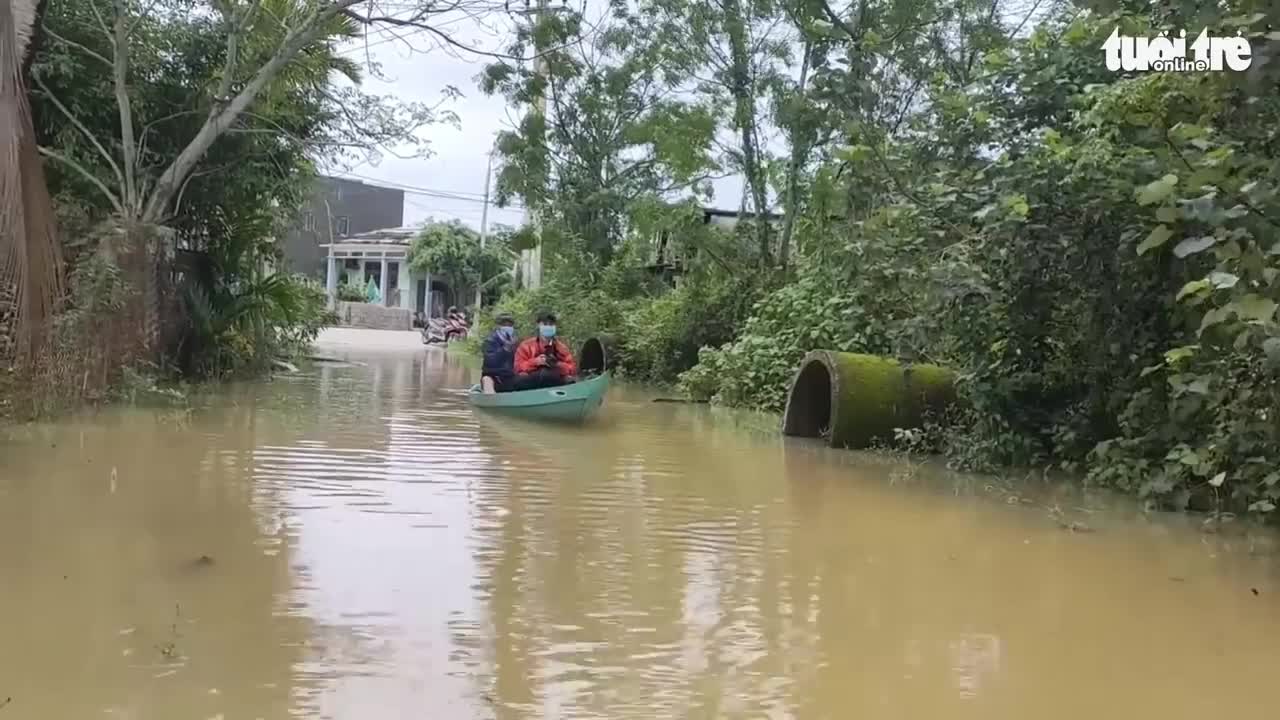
column 498, row 371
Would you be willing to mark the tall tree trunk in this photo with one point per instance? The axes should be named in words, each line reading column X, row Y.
column 159, row 204
column 31, row 279
column 800, row 144
column 744, row 119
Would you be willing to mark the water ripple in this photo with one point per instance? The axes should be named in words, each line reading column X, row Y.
column 369, row 546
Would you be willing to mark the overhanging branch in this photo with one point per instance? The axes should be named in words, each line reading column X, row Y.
column 419, row 22
column 83, row 48
column 93, row 139
column 83, row 172
column 221, row 117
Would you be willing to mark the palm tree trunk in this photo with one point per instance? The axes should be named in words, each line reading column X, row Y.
column 31, row 280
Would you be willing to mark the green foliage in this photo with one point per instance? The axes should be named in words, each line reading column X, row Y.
column 452, row 250
column 659, row 330
column 615, row 130
column 245, row 326
column 244, row 190
column 240, row 318
column 662, row 336
column 177, row 52
column 1094, row 253
column 867, row 294
column 351, row 292
column 582, row 312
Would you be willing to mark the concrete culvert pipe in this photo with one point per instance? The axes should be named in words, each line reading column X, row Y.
column 598, row 354
column 851, row 400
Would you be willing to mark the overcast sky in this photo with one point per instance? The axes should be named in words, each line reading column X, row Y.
column 457, row 165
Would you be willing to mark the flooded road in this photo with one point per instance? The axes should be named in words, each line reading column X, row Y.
column 355, row 542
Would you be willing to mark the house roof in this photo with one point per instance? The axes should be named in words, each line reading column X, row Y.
column 717, row 212
column 401, row 236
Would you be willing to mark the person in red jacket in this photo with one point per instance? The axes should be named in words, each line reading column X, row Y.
column 543, row 360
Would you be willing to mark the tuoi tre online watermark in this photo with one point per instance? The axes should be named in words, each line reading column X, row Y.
column 1164, row 53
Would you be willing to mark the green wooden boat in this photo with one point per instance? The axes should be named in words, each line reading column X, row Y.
column 566, row 403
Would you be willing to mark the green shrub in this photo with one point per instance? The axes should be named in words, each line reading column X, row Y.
column 351, row 292
column 243, row 327
column 864, row 309
column 662, row 336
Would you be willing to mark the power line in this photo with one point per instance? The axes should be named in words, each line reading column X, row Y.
column 474, row 214
column 419, row 190
column 459, row 195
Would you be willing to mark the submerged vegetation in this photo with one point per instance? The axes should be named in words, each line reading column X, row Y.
column 962, row 183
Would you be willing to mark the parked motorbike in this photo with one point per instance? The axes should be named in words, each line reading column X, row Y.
column 456, row 328
column 434, row 331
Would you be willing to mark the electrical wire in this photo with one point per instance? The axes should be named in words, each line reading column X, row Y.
column 458, row 195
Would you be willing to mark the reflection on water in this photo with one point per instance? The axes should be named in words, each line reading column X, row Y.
column 356, row 543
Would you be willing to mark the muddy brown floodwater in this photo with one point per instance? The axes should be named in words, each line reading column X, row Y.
column 354, row 542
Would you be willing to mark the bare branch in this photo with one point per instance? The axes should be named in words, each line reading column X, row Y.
column 120, row 43
column 87, row 50
column 93, row 139
column 230, row 21
column 83, row 172
column 912, row 27
column 1027, row 18
column 142, row 137
column 294, row 138
column 854, row 33
column 102, row 23
column 417, row 21
column 221, row 117
column 143, row 13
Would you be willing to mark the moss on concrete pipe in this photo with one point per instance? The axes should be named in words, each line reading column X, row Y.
column 852, row 400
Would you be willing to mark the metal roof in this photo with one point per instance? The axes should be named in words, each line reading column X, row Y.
column 387, row 236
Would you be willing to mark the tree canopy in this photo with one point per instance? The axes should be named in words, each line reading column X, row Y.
column 965, row 182
column 452, row 251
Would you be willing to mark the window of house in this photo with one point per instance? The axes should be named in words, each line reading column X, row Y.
column 308, row 221
column 344, row 225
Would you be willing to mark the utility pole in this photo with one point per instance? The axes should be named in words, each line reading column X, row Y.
column 531, row 260
column 540, row 107
column 484, row 228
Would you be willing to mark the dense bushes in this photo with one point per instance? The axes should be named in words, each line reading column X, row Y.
column 246, row 326
column 1108, row 285
column 660, row 329
column 870, row 307
column 1095, row 254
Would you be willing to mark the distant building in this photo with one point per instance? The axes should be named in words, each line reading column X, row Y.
column 338, row 208
column 727, row 219
column 667, row 259
column 382, row 257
